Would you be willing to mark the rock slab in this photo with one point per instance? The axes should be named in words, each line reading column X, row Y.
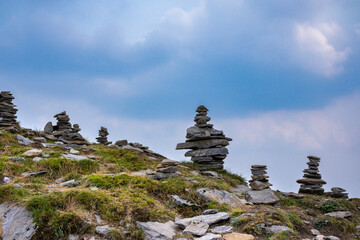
column 158, row 231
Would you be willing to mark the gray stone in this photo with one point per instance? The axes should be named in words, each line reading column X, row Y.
column 240, row 189
column 158, row 231
column 16, row 222
column 37, row 159
column 202, row 144
column 339, row 214
column 67, row 183
column 48, row 129
column 16, row 159
column 222, row 229
column 275, row 229
column 209, row 236
column 257, row 185
column 182, row 202
column 17, row 185
column 7, row 179
column 73, row 151
column 265, row 196
column 209, row 219
column 171, row 169
column 121, row 143
column 221, row 196
column 210, row 211
column 143, row 172
column 40, row 139
column 103, row 230
column 197, row 228
column 74, row 237
column 331, row 238
column 293, row 195
column 32, row 153
column 315, row 232
column 207, row 152
column 23, row 140
column 74, row 157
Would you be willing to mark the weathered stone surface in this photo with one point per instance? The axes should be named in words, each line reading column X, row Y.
column 275, row 229
column 48, row 129
column 67, row 183
column 209, row 219
column 103, row 230
column 74, row 157
column 220, row 196
column 238, row 236
column 7, row 179
column 240, row 189
column 158, row 231
column 197, row 228
column 315, row 232
column 209, row 236
column 16, row 159
column 202, row 144
column 210, row 211
column 339, row 214
column 33, row 153
column 222, row 229
column 265, row 196
column 182, row 202
column 23, row 140
column 16, row 222
column 257, row 185
column 121, row 143
column 207, row 152
column 293, row 195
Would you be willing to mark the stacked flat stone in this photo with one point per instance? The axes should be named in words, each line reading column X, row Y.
column 206, row 143
column 311, row 181
column 167, row 168
column 7, row 112
column 63, row 131
column 259, row 179
column 337, row 192
column 102, row 139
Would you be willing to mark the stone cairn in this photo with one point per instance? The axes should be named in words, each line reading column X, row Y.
column 259, row 179
column 63, row 131
column 102, row 139
column 311, row 181
column 337, row 192
column 7, row 112
column 206, row 143
column 167, row 168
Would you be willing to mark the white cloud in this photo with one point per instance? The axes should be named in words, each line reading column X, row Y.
column 315, row 51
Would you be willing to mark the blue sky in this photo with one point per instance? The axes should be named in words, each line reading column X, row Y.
column 281, row 78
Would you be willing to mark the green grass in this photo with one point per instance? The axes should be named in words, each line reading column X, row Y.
column 10, row 193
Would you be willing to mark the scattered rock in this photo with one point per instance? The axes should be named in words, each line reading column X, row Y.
column 7, row 179
column 265, row 196
column 209, row 236
column 240, row 189
column 238, row 236
column 33, row 153
column 197, row 228
column 121, row 143
column 103, row 230
column 74, row 237
column 93, row 188
column 74, row 157
column 40, row 139
column 16, row 159
column 337, row 192
column 339, row 214
column 67, row 183
column 23, row 140
column 209, row 219
column 37, row 159
column 293, row 195
column 17, row 185
column 210, row 211
column 211, row 174
column 167, row 168
column 275, row 229
column 315, row 232
column 331, row 238
column 16, row 222
column 33, row 174
column 158, row 231
column 182, row 202
column 222, row 229
column 73, row 151
column 221, row 196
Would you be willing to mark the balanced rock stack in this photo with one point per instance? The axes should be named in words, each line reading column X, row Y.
column 206, row 143
column 167, row 168
column 337, row 192
column 63, row 131
column 259, row 179
column 7, row 112
column 102, row 139
column 312, row 182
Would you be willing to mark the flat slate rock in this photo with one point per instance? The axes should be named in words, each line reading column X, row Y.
column 339, row 214
column 207, row 152
column 158, row 231
column 197, row 228
column 209, row 236
column 275, row 229
column 238, row 236
column 74, row 157
column 265, row 196
column 221, row 196
column 222, row 229
column 16, row 222
column 209, row 219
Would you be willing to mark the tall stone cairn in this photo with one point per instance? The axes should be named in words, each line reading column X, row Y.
column 102, row 139
column 259, row 179
column 206, row 143
column 7, row 112
column 311, row 181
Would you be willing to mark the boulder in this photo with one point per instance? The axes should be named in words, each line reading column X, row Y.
column 48, row 129
column 33, row 153
column 209, row 219
column 23, row 140
column 158, row 231
column 240, row 189
column 16, row 222
column 197, row 228
column 238, row 236
column 265, row 196
column 221, row 196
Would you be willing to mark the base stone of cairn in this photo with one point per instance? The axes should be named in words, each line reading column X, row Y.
column 311, row 181
column 337, row 192
column 63, row 131
column 7, row 112
column 259, row 179
column 206, row 143
column 102, row 139
column 167, row 168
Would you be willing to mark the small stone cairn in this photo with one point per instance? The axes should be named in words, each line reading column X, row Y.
column 63, row 131
column 311, row 181
column 7, row 112
column 167, row 168
column 259, row 179
column 337, row 192
column 206, row 143
column 102, row 139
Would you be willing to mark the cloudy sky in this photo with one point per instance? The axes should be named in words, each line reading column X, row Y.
column 281, row 79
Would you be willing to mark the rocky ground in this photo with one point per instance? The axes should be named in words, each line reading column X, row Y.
column 53, row 191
